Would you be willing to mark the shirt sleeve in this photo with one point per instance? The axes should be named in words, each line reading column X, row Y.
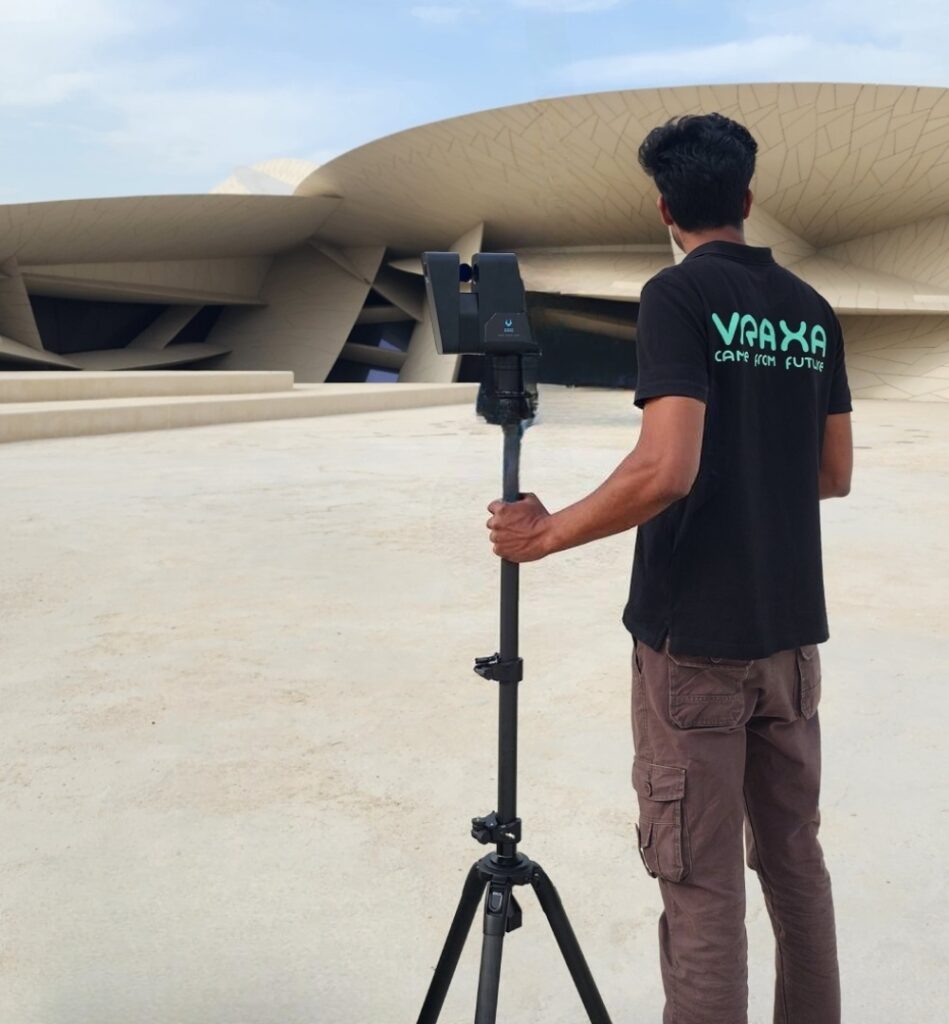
column 671, row 343
column 839, row 386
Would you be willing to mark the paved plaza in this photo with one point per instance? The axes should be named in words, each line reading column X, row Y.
column 242, row 741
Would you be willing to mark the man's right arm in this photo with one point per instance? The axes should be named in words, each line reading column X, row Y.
column 836, row 464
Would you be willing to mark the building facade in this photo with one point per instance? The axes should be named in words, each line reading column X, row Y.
column 318, row 270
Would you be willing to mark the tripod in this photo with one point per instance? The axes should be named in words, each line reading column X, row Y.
column 501, row 871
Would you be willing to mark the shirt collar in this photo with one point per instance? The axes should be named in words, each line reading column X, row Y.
column 735, row 251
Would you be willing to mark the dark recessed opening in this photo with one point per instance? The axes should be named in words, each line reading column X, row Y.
column 345, row 371
column 198, row 327
column 391, row 336
column 79, row 325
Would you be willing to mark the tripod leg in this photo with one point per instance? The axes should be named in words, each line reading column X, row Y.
column 457, row 933
column 550, row 904
column 497, row 909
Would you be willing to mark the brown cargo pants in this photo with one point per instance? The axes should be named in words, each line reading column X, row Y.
column 722, row 747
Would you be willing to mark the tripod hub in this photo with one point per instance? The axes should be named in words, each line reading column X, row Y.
column 496, row 870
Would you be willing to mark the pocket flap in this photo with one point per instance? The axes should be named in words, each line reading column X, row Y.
column 809, row 666
column 644, row 834
column 703, row 662
column 658, row 781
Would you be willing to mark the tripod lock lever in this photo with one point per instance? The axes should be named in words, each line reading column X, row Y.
column 490, row 829
column 492, row 667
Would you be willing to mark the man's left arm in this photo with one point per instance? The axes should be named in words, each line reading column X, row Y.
column 659, row 471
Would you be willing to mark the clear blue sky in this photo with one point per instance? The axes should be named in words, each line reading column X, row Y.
column 124, row 97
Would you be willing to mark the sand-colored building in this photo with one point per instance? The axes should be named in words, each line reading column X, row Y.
column 316, row 269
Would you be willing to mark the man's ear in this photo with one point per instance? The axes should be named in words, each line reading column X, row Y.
column 664, row 211
column 749, row 200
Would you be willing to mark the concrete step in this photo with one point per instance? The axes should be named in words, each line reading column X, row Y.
column 58, row 386
column 25, row 421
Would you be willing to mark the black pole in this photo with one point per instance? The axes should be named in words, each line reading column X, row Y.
column 508, row 649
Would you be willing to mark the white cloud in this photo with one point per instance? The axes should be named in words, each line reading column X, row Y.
column 704, row 63
column 194, row 130
column 441, row 14
column 81, row 60
column 812, row 40
column 452, row 14
column 51, row 48
column 568, row 6
column 897, row 23
column 83, row 17
column 200, row 130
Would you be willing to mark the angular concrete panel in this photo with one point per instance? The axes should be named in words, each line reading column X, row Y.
column 595, row 273
column 311, row 306
column 854, row 289
column 218, row 281
column 401, row 291
column 161, row 331
column 898, row 356
column 158, row 227
column 147, row 359
column 15, row 353
column 16, row 313
column 918, row 251
column 761, row 228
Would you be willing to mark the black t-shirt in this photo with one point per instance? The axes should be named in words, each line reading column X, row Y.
column 734, row 569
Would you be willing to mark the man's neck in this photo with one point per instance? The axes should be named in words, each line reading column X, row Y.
column 690, row 240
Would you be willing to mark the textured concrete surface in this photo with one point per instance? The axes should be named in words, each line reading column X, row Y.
column 40, row 420
column 242, row 740
column 69, row 386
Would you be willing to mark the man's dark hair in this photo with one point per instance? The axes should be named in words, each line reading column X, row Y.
column 703, row 165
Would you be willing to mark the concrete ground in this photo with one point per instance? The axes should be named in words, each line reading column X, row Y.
column 242, row 739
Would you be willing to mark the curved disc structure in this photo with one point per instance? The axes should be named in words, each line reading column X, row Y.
column 852, row 192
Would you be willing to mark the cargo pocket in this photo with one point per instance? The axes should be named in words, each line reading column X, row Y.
column 663, row 844
column 809, row 674
column 705, row 693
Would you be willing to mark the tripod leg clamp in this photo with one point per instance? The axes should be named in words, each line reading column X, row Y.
column 502, row 911
column 492, row 667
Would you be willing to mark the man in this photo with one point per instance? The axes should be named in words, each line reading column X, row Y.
column 745, row 427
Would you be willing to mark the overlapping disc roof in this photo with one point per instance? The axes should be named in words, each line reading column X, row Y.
column 836, row 162
column 852, row 193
